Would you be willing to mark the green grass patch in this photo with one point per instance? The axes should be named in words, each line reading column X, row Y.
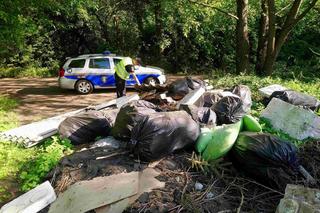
column 8, row 119
column 47, row 156
column 25, row 168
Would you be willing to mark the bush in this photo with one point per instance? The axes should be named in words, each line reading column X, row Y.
column 17, row 72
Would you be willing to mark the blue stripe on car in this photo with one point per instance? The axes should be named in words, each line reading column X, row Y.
column 97, row 80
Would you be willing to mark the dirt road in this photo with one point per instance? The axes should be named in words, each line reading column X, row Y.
column 42, row 98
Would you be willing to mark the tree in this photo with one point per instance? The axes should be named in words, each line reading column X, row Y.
column 274, row 34
column 242, row 39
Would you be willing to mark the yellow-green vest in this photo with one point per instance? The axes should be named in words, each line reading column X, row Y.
column 120, row 68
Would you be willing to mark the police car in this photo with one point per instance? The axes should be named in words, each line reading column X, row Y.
column 96, row 71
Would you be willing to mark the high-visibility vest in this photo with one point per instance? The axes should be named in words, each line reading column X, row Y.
column 120, row 68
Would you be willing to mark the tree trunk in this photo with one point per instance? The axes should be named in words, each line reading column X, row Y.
column 262, row 38
column 270, row 57
column 275, row 43
column 242, row 50
column 158, row 26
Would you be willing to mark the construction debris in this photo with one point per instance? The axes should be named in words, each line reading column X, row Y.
column 295, row 121
column 268, row 90
column 299, row 199
column 101, row 191
column 32, row 201
column 191, row 97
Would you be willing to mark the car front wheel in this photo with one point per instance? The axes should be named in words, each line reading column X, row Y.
column 84, row 87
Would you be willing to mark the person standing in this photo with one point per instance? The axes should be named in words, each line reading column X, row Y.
column 123, row 69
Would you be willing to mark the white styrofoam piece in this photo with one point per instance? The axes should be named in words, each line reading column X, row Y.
column 267, row 91
column 295, row 121
column 191, row 97
column 32, row 201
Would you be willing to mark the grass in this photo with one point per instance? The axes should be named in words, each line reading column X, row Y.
column 20, row 167
column 8, row 119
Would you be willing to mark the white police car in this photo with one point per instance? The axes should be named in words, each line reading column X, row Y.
column 96, row 71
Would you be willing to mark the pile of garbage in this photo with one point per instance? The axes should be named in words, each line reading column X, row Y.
column 177, row 133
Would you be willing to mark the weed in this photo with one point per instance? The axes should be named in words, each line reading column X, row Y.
column 8, row 119
column 48, row 155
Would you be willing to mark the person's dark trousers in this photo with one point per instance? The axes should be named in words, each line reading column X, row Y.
column 120, row 86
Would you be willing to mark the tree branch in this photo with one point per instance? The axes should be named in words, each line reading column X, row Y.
column 304, row 13
column 216, row 8
column 282, row 9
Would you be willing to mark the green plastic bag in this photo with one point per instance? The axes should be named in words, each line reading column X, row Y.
column 203, row 140
column 250, row 124
column 216, row 143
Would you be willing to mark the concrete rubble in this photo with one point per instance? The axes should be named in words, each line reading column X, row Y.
column 268, row 90
column 295, row 121
column 299, row 199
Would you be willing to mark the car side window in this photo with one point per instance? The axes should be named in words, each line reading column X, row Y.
column 99, row 63
column 78, row 63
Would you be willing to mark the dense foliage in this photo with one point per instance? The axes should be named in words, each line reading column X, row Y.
column 178, row 35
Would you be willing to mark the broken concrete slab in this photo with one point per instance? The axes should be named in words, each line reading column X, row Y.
column 84, row 196
column 191, row 97
column 299, row 199
column 267, row 91
column 147, row 182
column 295, row 121
column 32, row 201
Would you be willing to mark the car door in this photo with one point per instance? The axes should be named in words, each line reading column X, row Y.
column 101, row 74
column 75, row 67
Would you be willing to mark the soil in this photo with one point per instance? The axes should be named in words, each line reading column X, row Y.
column 41, row 98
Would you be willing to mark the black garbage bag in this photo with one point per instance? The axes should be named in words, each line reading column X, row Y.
column 265, row 157
column 229, row 109
column 208, row 99
column 194, row 83
column 178, row 89
column 297, row 99
column 245, row 95
column 85, row 127
column 110, row 115
column 203, row 115
column 129, row 115
column 160, row 134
